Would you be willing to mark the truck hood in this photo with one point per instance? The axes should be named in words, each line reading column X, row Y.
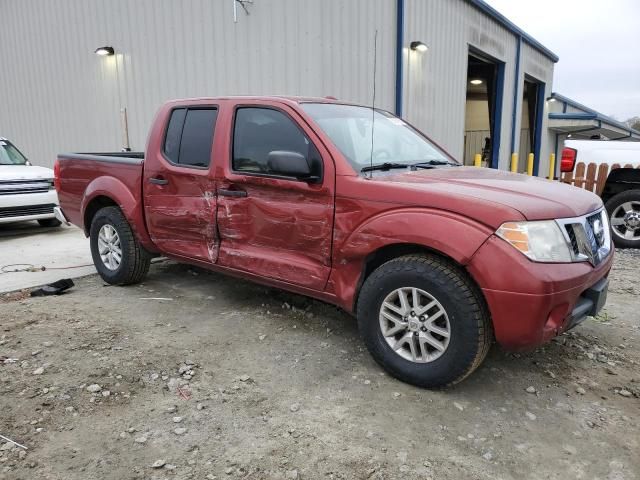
column 24, row 172
column 534, row 198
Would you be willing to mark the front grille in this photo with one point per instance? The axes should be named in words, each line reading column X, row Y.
column 18, row 187
column 589, row 236
column 25, row 211
column 572, row 238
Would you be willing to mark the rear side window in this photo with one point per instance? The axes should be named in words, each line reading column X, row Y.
column 189, row 136
column 259, row 131
column 174, row 132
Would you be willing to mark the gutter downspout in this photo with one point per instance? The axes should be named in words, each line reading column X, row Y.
column 515, row 95
column 399, row 63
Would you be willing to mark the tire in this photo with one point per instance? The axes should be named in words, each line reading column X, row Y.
column 465, row 313
column 134, row 259
column 50, row 222
column 619, row 212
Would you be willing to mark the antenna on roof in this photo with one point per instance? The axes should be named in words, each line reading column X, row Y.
column 373, row 101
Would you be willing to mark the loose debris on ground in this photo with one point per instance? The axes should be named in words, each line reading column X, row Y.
column 232, row 380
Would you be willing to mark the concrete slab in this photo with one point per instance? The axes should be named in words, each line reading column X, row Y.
column 63, row 251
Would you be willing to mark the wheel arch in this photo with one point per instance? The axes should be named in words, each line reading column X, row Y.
column 402, row 232
column 109, row 191
column 389, row 252
column 620, row 180
column 96, row 203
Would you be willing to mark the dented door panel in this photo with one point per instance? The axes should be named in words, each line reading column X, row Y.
column 181, row 215
column 180, row 201
column 278, row 230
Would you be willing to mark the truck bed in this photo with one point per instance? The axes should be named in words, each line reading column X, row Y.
column 85, row 177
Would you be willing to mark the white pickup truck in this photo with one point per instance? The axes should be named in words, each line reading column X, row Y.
column 611, row 169
column 26, row 191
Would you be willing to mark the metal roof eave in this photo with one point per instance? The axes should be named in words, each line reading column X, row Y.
column 589, row 113
column 587, row 124
column 505, row 22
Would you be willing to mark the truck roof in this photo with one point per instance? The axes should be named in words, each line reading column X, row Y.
column 290, row 98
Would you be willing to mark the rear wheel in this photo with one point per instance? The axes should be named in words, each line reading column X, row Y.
column 424, row 321
column 49, row 222
column 624, row 216
column 117, row 254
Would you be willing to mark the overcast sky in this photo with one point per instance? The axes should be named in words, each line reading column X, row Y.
column 598, row 43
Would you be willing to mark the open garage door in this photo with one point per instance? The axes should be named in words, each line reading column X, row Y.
column 531, row 123
column 485, row 81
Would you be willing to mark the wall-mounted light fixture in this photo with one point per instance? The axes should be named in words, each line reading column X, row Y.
column 418, row 47
column 551, row 99
column 476, row 81
column 105, row 51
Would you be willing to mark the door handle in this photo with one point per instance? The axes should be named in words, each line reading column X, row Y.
column 231, row 193
column 158, row 181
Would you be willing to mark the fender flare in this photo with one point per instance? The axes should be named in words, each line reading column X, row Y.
column 114, row 189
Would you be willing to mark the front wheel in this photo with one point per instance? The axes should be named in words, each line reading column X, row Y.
column 424, row 321
column 117, row 254
column 624, row 216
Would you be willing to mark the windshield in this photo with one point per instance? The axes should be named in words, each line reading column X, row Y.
column 10, row 155
column 350, row 128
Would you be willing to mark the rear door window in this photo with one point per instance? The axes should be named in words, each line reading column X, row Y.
column 189, row 136
column 174, row 133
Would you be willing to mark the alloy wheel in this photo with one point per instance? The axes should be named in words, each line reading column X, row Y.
column 109, row 247
column 415, row 325
column 625, row 220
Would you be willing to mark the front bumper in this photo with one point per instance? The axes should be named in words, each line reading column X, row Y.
column 29, row 206
column 59, row 214
column 530, row 302
column 589, row 304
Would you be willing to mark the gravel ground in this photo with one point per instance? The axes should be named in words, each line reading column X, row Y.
column 198, row 376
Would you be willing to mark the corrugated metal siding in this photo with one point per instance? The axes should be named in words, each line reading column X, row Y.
column 435, row 83
column 56, row 95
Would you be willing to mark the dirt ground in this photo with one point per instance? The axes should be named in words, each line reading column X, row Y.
column 198, row 376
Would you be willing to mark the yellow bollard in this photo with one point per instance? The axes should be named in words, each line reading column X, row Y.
column 477, row 160
column 552, row 166
column 530, row 165
column 514, row 162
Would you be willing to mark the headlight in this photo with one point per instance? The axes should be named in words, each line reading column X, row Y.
column 540, row 241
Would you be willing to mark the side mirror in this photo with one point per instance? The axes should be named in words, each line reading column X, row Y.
column 290, row 164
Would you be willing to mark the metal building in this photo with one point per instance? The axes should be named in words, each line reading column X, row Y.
column 570, row 119
column 457, row 69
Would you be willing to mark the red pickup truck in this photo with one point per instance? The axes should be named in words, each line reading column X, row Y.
column 354, row 207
